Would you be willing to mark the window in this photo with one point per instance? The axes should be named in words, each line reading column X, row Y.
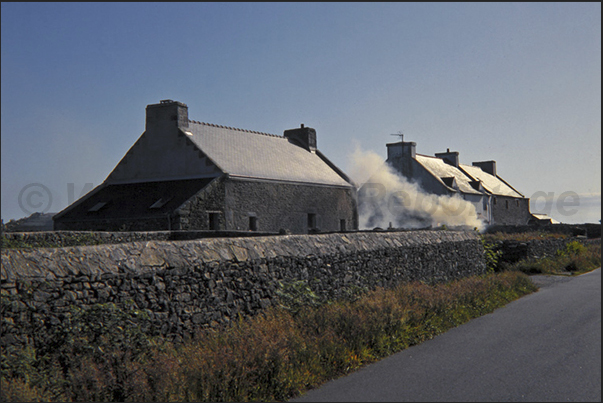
column 342, row 225
column 517, row 203
column 214, row 221
column 494, row 201
column 253, row 223
column 160, row 203
column 507, row 204
column 311, row 221
column 97, row 207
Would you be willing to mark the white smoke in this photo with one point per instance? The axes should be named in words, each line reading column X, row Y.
column 386, row 199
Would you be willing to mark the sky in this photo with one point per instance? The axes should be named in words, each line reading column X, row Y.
column 518, row 83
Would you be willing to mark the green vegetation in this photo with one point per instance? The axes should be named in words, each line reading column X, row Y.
column 576, row 258
column 103, row 353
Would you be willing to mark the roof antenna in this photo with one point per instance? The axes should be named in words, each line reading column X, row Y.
column 399, row 134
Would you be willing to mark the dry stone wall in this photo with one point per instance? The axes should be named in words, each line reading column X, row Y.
column 187, row 285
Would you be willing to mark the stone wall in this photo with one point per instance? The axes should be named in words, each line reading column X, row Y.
column 77, row 238
column 194, row 213
column 286, row 206
column 510, row 210
column 187, row 285
column 588, row 230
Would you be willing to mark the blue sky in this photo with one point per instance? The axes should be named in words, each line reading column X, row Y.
column 519, row 83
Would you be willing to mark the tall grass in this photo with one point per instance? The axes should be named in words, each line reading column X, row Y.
column 272, row 356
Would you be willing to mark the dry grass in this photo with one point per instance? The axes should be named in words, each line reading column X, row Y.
column 273, row 356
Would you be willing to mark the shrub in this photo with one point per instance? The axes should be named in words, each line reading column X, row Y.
column 575, row 258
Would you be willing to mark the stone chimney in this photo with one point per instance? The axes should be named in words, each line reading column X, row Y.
column 304, row 137
column 400, row 156
column 486, row 166
column 167, row 113
column 450, row 157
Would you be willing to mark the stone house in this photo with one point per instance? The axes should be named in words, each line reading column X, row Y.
column 495, row 200
column 187, row 175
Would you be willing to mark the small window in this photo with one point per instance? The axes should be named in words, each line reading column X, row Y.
column 214, row 221
column 253, row 223
column 494, row 201
column 160, row 203
column 311, row 221
column 342, row 225
column 507, row 204
column 97, row 206
column 517, row 203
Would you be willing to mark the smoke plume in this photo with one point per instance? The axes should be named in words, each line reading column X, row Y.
column 386, row 199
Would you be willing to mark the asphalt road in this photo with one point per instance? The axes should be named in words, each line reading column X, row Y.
column 543, row 347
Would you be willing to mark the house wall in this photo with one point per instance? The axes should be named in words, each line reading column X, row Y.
column 285, row 206
column 510, row 210
column 161, row 223
column 163, row 152
column 479, row 202
column 194, row 214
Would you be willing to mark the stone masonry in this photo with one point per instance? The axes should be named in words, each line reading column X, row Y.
column 192, row 284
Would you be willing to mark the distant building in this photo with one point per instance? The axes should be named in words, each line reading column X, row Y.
column 495, row 201
column 542, row 219
column 187, row 175
column 35, row 222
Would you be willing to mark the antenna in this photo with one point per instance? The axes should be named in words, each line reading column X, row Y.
column 399, row 134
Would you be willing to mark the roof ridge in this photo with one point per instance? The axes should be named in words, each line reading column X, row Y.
column 235, row 128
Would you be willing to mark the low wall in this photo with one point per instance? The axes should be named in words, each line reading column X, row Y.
column 588, row 230
column 187, row 285
column 58, row 239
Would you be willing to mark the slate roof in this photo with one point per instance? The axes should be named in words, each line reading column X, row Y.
column 135, row 201
column 251, row 154
column 491, row 183
column 438, row 168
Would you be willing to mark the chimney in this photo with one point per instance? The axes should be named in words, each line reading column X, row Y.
column 304, row 137
column 486, row 166
column 400, row 156
column 402, row 149
column 451, row 158
column 167, row 113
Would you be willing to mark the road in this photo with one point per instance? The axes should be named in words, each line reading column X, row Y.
column 545, row 346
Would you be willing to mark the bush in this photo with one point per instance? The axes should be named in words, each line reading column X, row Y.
column 575, row 258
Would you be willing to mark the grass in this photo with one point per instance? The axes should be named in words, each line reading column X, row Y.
column 273, row 356
column 575, row 259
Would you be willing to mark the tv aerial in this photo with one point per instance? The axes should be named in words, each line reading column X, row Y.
column 399, row 134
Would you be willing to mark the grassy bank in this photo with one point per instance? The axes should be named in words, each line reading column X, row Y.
column 102, row 353
column 575, row 259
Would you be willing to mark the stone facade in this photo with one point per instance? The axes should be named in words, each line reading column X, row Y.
column 333, row 209
column 510, row 210
column 188, row 175
column 187, row 285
